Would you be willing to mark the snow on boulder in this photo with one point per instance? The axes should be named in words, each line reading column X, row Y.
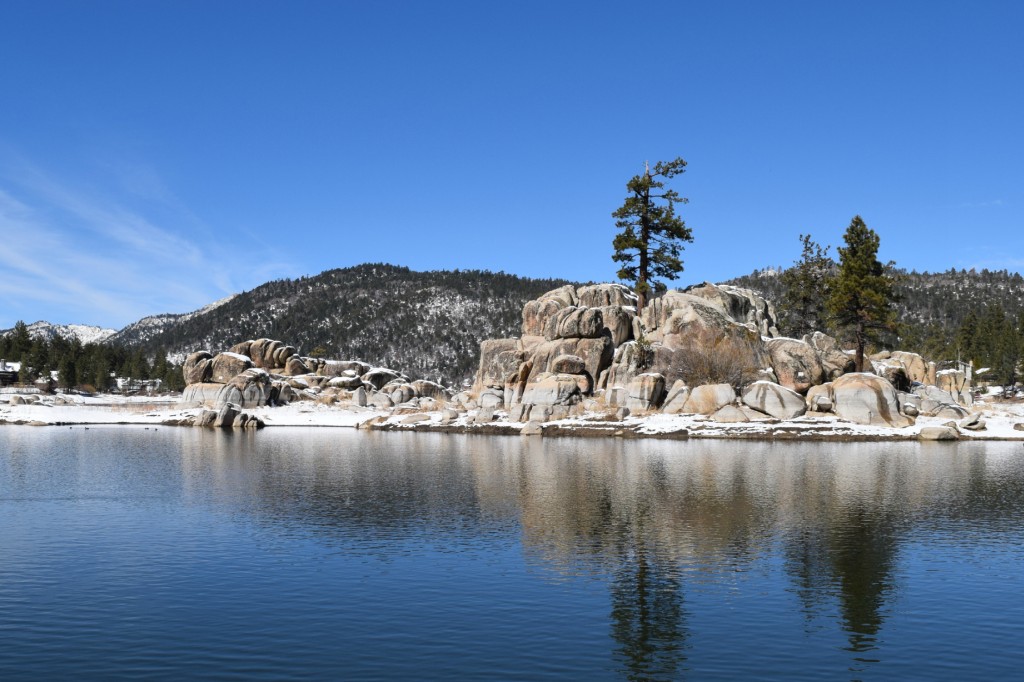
column 775, row 400
column 867, row 399
column 227, row 366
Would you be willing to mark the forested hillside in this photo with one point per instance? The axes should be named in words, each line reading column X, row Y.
column 963, row 314
column 427, row 324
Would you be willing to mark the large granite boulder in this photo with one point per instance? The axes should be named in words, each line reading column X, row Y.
column 915, row 365
column 601, row 295
column 618, row 323
column 819, row 398
column 893, row 371
column 498, row 359
column 337, row 368
column 294, row 366
column 709, row 398
column 867, row 399
column 430, row 389
column 198, row 367
column 555, row 389
column 773, row 399
column 834, row 362
column 226, row 366
column 574, row 323
column 645, row 392
column 681, row 321
column 675, row 399
column 796, row 363
column 537, row 312
column 596, row 354
column 378, row 377
column 203, row 393
column 251, row 388
column 741, row 305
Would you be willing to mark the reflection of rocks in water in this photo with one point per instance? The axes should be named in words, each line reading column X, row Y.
column 638, row 514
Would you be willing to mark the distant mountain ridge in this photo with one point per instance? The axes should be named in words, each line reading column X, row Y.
column 85, row 333
column 427, row 324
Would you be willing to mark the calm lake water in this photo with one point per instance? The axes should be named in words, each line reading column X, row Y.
column 336, row 554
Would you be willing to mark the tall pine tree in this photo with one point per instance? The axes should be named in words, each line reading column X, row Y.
column 860, row 300
column 805, row 290
column 652, row 234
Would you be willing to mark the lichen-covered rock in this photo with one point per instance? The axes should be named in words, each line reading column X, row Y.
column 226, row 366
column 645, row 392
column 867, row 399
column 198, row 367
column 536, row 313
column 774, row 399
column 709, row 398
column 796, row 363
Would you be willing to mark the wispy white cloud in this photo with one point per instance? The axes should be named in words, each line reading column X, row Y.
column 70, row 254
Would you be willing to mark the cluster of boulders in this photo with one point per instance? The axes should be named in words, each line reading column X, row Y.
column 587, row 347
column 268, row 372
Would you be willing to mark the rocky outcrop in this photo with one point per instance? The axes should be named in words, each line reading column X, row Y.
column 867, row 399
column 268, row 372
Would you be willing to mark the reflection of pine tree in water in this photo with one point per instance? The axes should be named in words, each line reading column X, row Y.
column 647, row 607
column 863, row 556
column 850, row 558
column 647, row 619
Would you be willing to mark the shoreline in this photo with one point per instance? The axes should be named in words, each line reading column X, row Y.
column 1004, row 422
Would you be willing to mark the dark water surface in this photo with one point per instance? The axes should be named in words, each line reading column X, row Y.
column 335, row 554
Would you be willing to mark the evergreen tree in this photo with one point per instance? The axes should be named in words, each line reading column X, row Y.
column 805, row 290
column 861, row 297
column 652, row 234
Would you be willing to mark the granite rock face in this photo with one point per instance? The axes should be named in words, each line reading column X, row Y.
column 867, row 399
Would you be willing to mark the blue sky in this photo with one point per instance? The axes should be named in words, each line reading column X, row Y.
column 156, row 156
